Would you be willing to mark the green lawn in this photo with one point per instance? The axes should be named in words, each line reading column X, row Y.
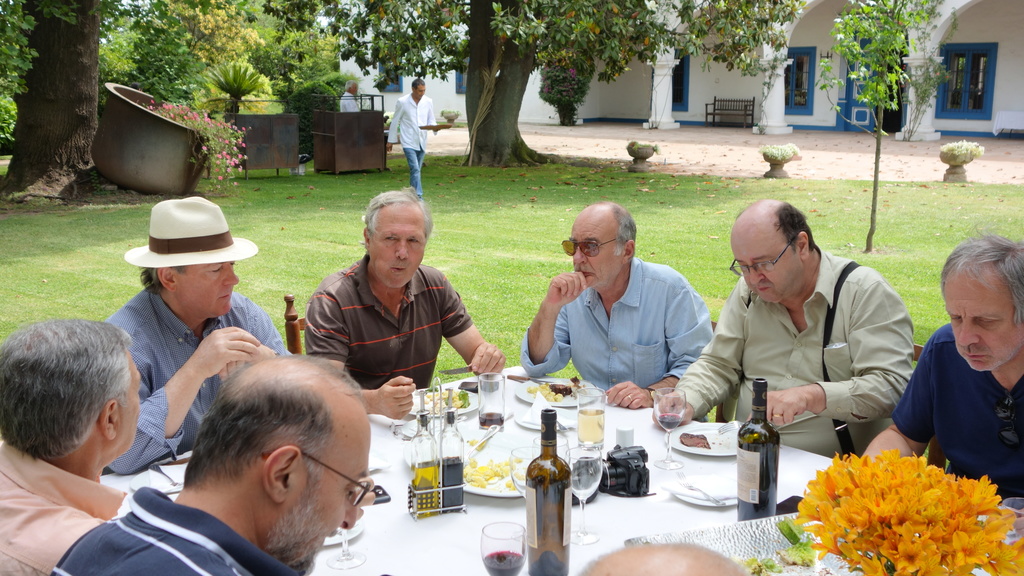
column 496, row 236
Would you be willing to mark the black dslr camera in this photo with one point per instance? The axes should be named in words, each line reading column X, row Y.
column 626, row 473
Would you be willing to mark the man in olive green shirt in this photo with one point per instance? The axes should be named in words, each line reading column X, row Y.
column 772, row 326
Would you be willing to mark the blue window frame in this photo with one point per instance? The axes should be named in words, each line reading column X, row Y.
column 460, row 82
column 968, row 92
column 395, row 85
column 681, row 85
column 799, row 81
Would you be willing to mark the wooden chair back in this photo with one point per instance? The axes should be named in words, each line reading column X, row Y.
column 293, row 326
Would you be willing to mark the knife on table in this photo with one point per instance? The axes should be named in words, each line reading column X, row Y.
column 479, row 445
column 463, row 370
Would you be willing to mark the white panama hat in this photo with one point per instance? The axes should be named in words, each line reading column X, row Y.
column 189, row 231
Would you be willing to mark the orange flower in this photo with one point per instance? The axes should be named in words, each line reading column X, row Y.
column 889, row 516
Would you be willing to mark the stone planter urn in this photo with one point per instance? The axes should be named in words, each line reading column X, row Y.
column 451, row 117
column 776, row 168
column 957, row 155
column 640, row 153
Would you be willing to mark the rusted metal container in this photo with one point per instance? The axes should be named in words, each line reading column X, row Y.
column 138, row 149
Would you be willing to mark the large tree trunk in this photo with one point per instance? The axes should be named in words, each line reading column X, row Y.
column 57, row 113
column 498, row 75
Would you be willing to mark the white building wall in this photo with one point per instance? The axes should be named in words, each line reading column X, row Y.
column 814, row 30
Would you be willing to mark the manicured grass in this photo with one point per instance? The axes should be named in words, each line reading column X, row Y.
column 496, row 236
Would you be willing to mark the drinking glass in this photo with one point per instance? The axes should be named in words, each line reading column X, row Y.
column 590, row 417
column 561, row 447
column 587, row 467
column 519, row 460
column 669, row 404
column 492, row 399
column 503, row 548
column 347, row 559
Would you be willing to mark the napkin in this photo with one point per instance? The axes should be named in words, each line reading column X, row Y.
column 159, row 482
column 720, row 487
column 532, row 416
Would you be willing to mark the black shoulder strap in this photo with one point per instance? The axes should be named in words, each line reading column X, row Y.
column 842, row 431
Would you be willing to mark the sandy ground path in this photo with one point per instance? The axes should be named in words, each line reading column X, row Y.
column 733, row 152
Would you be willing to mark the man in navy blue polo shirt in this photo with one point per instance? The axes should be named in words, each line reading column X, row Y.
column 969, row 382
column 279, row 464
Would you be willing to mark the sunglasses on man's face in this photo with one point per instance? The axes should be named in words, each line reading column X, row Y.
column 590, row 248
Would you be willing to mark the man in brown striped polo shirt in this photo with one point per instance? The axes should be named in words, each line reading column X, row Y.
column 384, row 317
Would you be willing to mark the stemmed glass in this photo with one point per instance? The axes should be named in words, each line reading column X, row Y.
column 587, row 467
column 519, row 460
column 503, row 548
column 347, row 559
column 669, row 404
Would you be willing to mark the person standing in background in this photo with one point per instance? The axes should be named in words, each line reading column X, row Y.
column 413, row 111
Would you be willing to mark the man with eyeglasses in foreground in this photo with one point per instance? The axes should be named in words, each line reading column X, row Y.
column 279, row 464
column 970, row 377
column 629, row 326
column 772, row 327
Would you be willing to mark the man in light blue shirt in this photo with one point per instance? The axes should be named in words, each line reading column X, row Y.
column 629, row 326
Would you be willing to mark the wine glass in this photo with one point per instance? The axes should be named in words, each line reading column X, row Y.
column 503, row 548
column 669, row 404
column 587, row 467
column 519, row 460
column 347, row 559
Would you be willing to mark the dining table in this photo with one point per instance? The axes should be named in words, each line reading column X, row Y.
column 395, row 543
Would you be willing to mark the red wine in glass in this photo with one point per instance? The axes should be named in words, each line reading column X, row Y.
column 504, row 563
column 488, row 419
column 670, row 421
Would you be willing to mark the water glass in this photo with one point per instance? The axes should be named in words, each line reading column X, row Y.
column 519, row 460
column 587, row 469
column 492, row 399
column 590, row 404
column 1016, row 504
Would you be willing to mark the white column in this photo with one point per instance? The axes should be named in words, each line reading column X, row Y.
column 661, row 94
column 773, row 108
column 925, row 130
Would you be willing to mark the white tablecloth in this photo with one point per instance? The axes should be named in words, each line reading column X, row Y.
column 396, row 544
column 1008, row 120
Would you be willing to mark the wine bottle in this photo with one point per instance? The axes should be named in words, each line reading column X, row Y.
column 425, row 466
column 548, row 512
column 453, row 454
column 757, row 460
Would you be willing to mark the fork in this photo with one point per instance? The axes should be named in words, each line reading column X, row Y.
column 729, row 427
column 156, row 468
column 686, row 484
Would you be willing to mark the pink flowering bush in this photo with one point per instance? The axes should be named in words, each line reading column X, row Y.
column 565, row 89
column 221, row 143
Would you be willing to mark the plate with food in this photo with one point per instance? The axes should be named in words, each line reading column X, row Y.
column 487, row 472
column 560, row 392
column 436, row 402
column 703, row 438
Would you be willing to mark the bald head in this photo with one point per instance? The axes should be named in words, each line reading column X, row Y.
column 676, row 559
column 286, row 400
column 766, row 217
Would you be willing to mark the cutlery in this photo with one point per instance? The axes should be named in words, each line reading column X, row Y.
column 463, row 370
column 733, row 426
column 686, row 484
column 156, row 468
column 490, row 434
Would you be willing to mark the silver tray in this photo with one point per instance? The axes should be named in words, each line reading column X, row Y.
column 760, row 538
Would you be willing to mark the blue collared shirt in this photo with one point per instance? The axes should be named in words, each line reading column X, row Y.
column 657, row 329
column 161, row 344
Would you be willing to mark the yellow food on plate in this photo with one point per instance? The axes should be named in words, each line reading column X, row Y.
column 545, row 391
column 493, row 475
column 437, row 403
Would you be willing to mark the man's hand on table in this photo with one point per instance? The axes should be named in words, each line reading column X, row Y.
column 393, row 399
column 629, row 395
column 487, row 358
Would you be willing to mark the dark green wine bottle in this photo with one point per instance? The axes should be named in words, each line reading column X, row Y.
column 548, row 502
column 757, row 460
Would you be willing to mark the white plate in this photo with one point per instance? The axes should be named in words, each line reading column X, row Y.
column 698, row 499
column 721, row 444
column 335, row 538
column 142, row 480
column 701, row 501
column 498, row 449
column 565, row 417
column 527, row 397
column 474, row 403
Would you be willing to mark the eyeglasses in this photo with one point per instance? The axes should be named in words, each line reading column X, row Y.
column 766, row 266
column 1006, row 411
column 590, row 248
column 355, row 497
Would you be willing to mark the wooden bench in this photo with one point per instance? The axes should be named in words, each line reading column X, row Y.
column 729, row 107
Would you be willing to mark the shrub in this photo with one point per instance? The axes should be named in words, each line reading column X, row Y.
column 8, row 115
column 779, row 153
column 633, row 145
column 962, row 152
column 564, row 89
column 302, row 102
column 221, row 142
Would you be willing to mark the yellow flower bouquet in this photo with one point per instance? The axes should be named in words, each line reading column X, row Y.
column 893, row 516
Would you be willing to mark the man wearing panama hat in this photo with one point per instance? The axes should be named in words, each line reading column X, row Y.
column 189, row 328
